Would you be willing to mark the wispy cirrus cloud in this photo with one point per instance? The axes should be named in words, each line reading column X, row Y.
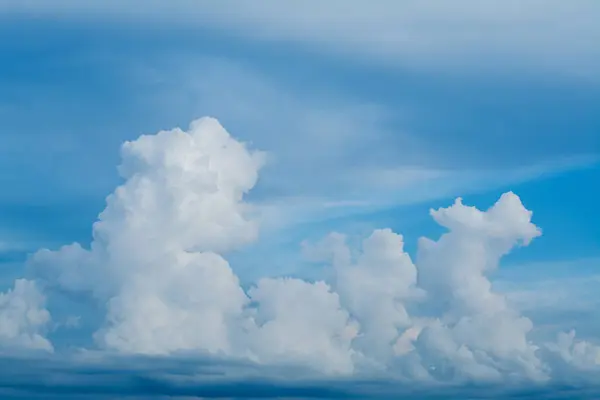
column 411, row 142
column 326, row 149
column 537, row 35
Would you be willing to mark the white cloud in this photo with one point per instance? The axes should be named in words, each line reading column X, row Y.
column 23, row 318
column 289, row 327
column 583, row 354
column 154, row 257
column 157, row 261
column 454, row 268
column 373, row 288
column 549, row 35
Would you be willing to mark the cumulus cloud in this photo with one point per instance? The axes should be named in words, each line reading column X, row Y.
column 373, row 286
column 158, row 263
column 455, row 267
column 302, row 322
column 155, row 253
column 23, row 318
column 581, row 353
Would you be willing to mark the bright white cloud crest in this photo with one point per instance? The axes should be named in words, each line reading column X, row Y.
column 157, row 262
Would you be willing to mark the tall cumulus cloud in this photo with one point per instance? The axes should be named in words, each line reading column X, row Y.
column 157, row 264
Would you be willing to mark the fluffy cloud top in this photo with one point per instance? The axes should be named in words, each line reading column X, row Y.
column 157, row 262
column 155, row 253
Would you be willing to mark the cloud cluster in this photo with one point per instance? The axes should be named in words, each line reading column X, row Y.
column 157, row 263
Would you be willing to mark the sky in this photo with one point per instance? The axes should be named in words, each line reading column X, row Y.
column 299, row 199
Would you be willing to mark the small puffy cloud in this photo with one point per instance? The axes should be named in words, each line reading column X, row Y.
column 584, row 355
column 23, row 318
column 158, row 264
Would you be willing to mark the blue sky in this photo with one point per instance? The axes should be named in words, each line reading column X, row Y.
column 368, row 119
column 68, row 88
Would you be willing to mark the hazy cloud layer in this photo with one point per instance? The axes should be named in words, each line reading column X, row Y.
column 554, row 36
column 139, row 377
